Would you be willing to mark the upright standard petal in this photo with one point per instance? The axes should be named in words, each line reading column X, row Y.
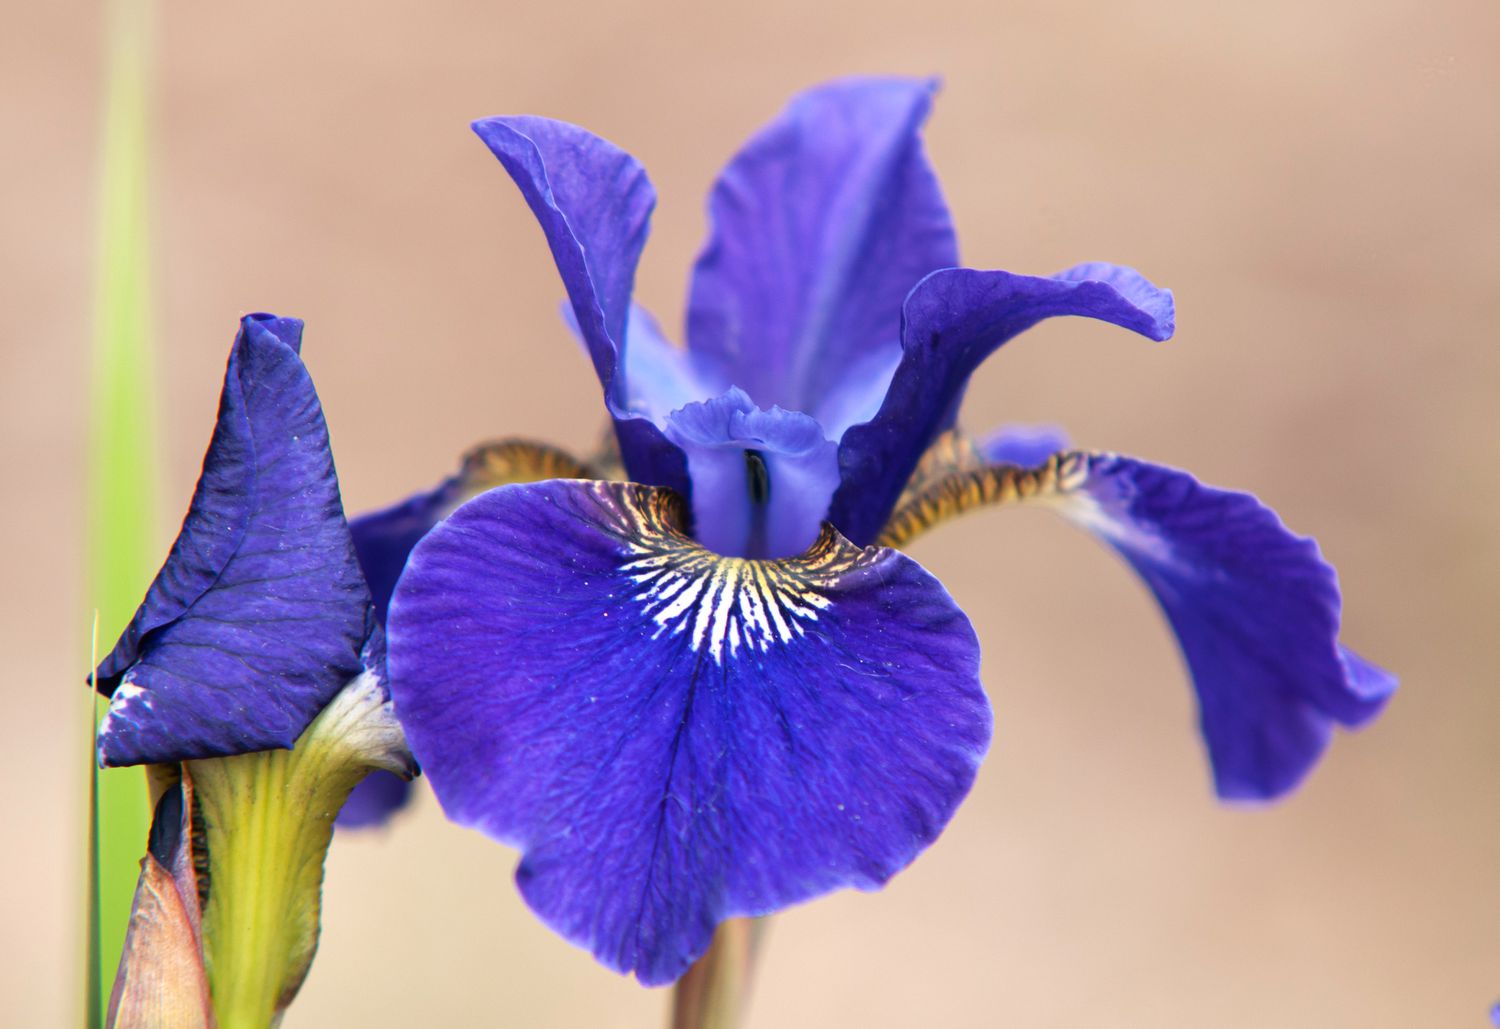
column 593, row 202
column 673, row 738
column 951, row 322
column 1255, row 608
column 259, row 614
column 820, row 227
column 659, row 376
column 763, row 478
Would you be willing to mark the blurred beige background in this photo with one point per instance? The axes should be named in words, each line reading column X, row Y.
column 1317, row 182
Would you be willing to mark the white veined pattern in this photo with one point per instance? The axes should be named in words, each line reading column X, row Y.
column 724, row 604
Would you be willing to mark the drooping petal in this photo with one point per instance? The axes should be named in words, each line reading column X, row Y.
column 259, row 614
column 820, row 227
column 1370, row 684
column 673, row 738
column 593, row 202
column 763, row 478
column 1255, row 608
column 952, row 321
column 385, row 537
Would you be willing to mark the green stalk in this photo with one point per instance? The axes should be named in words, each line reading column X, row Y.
column 715, row 992
column 121, row 512
column 268, row 821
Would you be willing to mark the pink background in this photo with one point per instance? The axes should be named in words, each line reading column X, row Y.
column 1318, row 183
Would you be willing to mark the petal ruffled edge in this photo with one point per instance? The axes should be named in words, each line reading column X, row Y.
column 1255, row 608
column 674, row 738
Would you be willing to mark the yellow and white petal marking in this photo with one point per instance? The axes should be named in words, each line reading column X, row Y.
column 723, row 604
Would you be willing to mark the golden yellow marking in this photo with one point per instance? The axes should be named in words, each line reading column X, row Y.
column 507, row 461
column 950, row 453
column 959, row 491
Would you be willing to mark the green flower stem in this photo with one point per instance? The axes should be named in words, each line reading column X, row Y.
column 715, row 992
column 268, row 821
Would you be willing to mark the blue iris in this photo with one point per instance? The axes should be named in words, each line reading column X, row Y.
column 260, row 614
column 718, row 689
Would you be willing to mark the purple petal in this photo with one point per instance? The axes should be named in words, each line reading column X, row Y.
column 258, row 616
column 1370, row 683
column 384, row 538
column 763, row 478
column 1255, row 609
column 659, row 376
column 820, row 227
column 593, row 202
column 378, row 796
column 673, row 738
column 951, row 322
column 1025, row 446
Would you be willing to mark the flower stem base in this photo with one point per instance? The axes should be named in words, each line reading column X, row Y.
column 267, row 823
column 715, row 992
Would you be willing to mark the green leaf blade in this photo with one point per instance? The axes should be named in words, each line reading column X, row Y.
column 122, row 474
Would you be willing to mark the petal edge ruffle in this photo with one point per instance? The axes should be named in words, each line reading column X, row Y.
column 1255, row 608
column 580, row 680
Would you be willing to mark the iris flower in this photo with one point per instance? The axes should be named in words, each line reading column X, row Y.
column 718, row 689
column 253, row 672
column 260, row 614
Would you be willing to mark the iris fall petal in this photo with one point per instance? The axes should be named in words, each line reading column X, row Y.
column 1025, row 446
column 673, row 738
column 384, row 538
column 1255, row 608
